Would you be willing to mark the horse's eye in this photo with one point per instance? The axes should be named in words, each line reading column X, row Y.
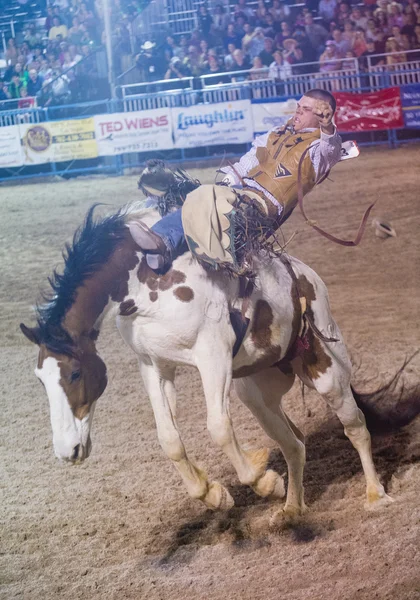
column 75, row 376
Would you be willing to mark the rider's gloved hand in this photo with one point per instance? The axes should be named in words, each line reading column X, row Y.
column 324, row 112
column 228, row 180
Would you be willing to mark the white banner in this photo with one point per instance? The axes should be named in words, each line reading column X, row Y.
column 134, row 132
column 11, row 154
column 213, row 124
column 272, row 114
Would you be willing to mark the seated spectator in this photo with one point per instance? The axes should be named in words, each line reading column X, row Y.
column 241, row 63
column 393, row 49
column 49, row 18
column 409, row 24
column 34, row 84
column 371, row 54
column 349, row 32
column 317, row 34
column 329, row 60
column 342, row 14
column 14, row 87
column 229, row 60
column 348, row 63
column 256, row 45
column 359, row 19
column 232, row 37
column 395, row 15
column 266, row 55
column 257, row 70
column 300, row 18
column 359, row 44
column 31, row 35
column 25, row 101
column 59, row 86
column 3, row 94
column 74, row 55
column 342, row 46
column 292, row 54
column 261, row 11
column 192, row 61
column 195, row 39
column 176, row 69
column 279, row 69
column 279, row 11
column 45, row 70
column 270, row 27
column 86, row 18
column 284, row 34
column 308, row 53
column 22, row 73
column 416, row 44
column 382, row 21
column 405, row 43
column 57, row 29
column 205, row 21
column 213, row 68
column 247, row 11
column 327, row 10
column 396, row 34
column 249, row 34
column 183, row 47
column 219, row 25
column 203, row 54
column 75, row 32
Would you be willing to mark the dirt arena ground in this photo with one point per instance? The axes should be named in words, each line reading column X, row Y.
column 121, row 525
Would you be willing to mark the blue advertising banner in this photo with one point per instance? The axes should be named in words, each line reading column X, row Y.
column 410, row 100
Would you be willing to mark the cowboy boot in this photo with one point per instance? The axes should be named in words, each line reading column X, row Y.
column 157, row 253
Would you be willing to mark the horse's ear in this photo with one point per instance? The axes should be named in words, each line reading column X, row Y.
column 31, row 333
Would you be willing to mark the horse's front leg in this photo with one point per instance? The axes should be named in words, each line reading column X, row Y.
column 160, row 387
column 214, row 361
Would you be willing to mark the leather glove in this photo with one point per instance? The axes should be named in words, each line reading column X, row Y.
column 228, row 180
column 323, row 111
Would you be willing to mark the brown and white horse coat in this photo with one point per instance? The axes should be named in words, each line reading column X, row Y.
column 183, row 318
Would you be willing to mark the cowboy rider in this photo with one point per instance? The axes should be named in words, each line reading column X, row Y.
column 266, row 177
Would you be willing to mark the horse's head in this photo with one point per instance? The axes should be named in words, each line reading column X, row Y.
column 74, row 377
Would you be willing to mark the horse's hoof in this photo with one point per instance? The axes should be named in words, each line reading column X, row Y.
column 218, row 498
column 270, row 485
column 288, row 515
column 381, row 500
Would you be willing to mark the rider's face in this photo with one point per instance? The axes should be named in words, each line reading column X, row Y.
column 304, row 117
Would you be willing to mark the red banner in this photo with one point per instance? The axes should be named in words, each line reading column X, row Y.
column 369, row 112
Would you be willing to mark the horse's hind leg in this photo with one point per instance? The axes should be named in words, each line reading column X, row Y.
column 159, row 384
column 326, row 365
column 262, row 394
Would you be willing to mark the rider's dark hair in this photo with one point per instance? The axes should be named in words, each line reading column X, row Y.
column 322, row 95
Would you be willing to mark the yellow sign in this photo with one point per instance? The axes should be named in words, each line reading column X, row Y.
column 58, row 141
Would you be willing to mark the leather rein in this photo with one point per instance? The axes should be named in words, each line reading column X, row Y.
column 327, row 235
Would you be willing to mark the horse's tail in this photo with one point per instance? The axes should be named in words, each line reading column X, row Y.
column 392, row 406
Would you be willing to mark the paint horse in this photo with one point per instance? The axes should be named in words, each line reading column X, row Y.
column 183, row 318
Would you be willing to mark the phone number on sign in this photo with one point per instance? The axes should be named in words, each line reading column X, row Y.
column 136, row 147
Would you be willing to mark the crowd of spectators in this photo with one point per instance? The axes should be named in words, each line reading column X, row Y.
column 53, row 63
column 56, row 62
column 282, row 38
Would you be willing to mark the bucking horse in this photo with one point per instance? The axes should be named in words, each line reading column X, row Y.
column 193, row 316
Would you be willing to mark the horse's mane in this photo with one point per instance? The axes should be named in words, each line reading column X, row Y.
column 93, row 244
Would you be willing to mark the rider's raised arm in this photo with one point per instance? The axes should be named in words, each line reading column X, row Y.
column 325, row 153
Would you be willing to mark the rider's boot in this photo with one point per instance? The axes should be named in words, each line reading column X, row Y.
column 158, row 255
